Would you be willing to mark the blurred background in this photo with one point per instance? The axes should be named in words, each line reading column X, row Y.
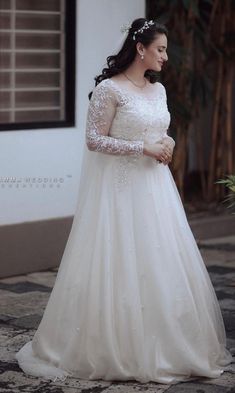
column 199, row 77
column 50, row 52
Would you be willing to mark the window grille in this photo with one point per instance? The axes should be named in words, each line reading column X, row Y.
column 34, row 86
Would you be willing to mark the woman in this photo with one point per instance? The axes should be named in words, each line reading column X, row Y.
column 132, row 297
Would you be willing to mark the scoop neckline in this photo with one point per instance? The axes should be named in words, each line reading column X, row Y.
column 126, row 92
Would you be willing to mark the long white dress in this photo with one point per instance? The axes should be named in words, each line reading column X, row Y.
column 132, row 298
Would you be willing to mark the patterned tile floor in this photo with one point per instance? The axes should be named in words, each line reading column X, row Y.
column 19, row 318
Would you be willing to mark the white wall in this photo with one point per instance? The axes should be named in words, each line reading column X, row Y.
column 57, row 153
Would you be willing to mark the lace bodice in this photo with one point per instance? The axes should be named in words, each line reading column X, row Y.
column 120, row 121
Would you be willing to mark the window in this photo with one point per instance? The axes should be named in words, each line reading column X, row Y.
column 37, row 63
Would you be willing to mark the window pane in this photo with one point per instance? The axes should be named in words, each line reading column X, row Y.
column 5, row 99
column 36, row 116
column 32, row 60
column 4, row 4
column 5, row 79
column 5, row 40
column 5, row 60
column 37, row 22
column 37, row 79
column 5, row 20
column 4, row 117
column 37, row 60
column 41, row 99
column 39, row 41
column 40, row 5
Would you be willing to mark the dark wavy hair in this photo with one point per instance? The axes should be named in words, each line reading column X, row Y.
column 121, row 61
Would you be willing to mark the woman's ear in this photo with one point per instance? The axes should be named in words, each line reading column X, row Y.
column 140, row 48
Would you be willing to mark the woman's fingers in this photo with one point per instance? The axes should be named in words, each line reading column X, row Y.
column 168, row 145
column 162, row 152
column 166, row 156
column 167, row 150
column 166, row 153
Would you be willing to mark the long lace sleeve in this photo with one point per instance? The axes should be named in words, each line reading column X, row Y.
column 101, row 111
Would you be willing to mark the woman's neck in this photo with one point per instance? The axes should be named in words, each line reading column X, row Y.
column 136, row 72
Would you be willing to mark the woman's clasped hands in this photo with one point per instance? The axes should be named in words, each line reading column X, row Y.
column 162, row 150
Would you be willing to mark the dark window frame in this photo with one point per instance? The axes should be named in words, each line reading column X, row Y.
column 70, row 79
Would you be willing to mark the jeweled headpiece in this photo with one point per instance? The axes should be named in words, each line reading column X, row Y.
column 146, row 26
column 126, row 28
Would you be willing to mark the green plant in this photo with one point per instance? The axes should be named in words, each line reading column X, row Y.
column 230, row 184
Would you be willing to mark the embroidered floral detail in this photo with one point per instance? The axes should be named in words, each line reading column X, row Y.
column 123, row 171
column 119, row 121
column 100, row 114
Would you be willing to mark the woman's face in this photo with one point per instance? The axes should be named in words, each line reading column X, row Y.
column 155, row 54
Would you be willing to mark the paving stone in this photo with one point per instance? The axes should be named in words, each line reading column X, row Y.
column 219, row 240
column 8, row 366
column 135, row 389
column 227, row 281
column 14, row 381
column 215, row 257
column 224, row 295
column 222, row 246
column 231, row 345
column 229, row 369
column 44, row 278
column 81, row 384
column 5, row 318
column 229, row 320
column 14, row 279
column 11, row 340
column 27, row 322
column 111, row 386
column 226, row 379
column 227, row 304
column 18, row 305
column 194, row 387
column 226, row 289
column 7, row 334
column 24, row 286
column 220, row 269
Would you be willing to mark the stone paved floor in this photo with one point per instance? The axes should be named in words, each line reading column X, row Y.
column 19, row 318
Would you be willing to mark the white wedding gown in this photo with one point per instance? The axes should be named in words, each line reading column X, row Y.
column 132, row 298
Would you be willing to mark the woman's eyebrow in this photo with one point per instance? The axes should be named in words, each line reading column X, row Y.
column 162, row 46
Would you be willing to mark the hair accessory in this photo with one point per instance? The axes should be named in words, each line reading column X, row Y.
column 125, row 28
column 146, row 25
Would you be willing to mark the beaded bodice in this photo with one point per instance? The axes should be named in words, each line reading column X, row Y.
column 119, row 121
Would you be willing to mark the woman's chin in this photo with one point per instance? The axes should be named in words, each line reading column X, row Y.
column 157, row 68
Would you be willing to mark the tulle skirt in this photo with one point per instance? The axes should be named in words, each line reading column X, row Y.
column 132, row 298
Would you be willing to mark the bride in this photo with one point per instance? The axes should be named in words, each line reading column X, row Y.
column 132, row 298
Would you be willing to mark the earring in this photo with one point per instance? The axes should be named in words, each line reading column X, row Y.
column 142, row 57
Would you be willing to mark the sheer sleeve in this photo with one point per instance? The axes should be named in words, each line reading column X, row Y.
column 165, row 135
column 101, row 111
